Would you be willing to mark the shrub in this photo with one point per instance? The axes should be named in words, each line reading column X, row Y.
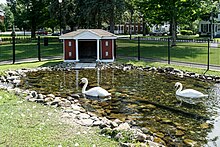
column 186, row 32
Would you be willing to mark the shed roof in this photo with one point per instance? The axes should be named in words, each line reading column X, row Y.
column 99, row 33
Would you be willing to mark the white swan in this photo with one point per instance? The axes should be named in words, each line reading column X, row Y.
column 95, row 91
column 188, row 95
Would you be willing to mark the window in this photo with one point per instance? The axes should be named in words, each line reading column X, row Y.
column 106, row 54
column 70, row 43
column 106, row 43
column 70, row 54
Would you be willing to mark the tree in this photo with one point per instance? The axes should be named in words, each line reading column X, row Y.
column 29, row 13
column 8, row 16
column 173, row 11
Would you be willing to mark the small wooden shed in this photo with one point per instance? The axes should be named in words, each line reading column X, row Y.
column 88, row 45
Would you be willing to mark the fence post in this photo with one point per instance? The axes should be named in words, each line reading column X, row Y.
column 38, row 47
column 13, row 48
column 139, row 48
column 168, row 50
column 208, row 54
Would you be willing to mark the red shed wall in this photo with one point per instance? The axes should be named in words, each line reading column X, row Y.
column 70, row 49
column 106, row 49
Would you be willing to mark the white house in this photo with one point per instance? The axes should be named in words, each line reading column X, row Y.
column 205, row 27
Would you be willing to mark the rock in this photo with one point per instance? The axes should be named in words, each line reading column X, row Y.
column 17, row 82
column 75, row 96
column 123, row 126
column 122, row 144
column 32, row 99
column 153, row 144
column 51, row 95
column 76, row 107
column 169, row 69
column 167, row 121
column 65, row 104
column 11, row 78
column 145, row 130
column 204, row 126
column 86, row 122
column 56, row 100
column 39, row 100
column 147, row 67
column 33, row 94
column 66, row 115
column 153, row 69
column 179, row 133
column 159, row 140
column 190, row 142
column 83, row 116
column 160, row 70
column 140, row 136
column 118, row 121
column 40, row 96
column 48, row 99
column 160, row 134
column 97, row 123
column 150, row 106
column 114, row 124
column 181, row 128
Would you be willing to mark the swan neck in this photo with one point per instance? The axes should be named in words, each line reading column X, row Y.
column 84, row 87
column 180, row 88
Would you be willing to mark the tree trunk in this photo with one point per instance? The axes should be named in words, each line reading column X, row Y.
column 130, row 23
column 173, row 31
column 99, row 25
column 143, row 27
column 33, row 28
column 112, row 23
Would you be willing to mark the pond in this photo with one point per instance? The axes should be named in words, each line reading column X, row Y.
column 145, row 99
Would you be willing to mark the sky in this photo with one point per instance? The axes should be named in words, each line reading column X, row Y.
column 2, row 1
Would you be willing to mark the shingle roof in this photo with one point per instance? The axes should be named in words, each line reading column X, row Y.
column 98, row 32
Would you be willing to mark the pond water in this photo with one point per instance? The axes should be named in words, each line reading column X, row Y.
column 146, row 99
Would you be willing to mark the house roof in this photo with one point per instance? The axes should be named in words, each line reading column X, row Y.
column 88, row 34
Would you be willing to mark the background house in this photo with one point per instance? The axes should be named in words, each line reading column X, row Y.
column 205, row 27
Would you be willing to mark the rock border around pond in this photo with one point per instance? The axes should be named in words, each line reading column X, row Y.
column 73, row 110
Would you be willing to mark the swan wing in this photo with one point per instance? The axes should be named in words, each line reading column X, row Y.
column 191, row 93
column 97, row 91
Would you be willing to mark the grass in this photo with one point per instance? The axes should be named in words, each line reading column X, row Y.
column 158, row 64
column 184, row 52
column 25, row 123
column 30, row 50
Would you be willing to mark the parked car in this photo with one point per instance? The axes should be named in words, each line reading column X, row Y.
column 56, row 34
column 157, row 33
column 41, row 32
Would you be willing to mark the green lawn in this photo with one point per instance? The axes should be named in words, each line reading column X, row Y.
column 30, row 50
column 184, row 51
column 30, row 124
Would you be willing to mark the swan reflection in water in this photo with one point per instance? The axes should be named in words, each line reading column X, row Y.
column 190, row 96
